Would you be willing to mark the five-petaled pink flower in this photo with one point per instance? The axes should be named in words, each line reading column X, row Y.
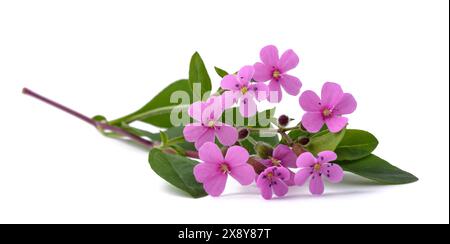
column 274, row 69
column 273, row 180
column 316, row 168
column 214, row 170
column 240, row 87
column 282, row 156
column 208, row 124
column 328, row 109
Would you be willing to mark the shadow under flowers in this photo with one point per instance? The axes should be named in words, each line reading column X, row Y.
column 350, row 186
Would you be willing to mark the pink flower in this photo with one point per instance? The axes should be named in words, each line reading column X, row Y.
column 316, row 168
column 273, row 180
column 328, row 109
column 239, row 87
column 282, row 156
column 214, row 170
column 208, row 126
column 274, row 69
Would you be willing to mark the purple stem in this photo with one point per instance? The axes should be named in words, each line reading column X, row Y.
column 88, row 120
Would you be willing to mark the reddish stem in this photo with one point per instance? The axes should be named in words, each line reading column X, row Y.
column 97, row 124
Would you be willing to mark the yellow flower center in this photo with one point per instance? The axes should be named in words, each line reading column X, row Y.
column 244, row 90
column 317, row 167
column 326, row 112
column 270, row 175
column 276, row 74
column 224, row 168
column 211, row 123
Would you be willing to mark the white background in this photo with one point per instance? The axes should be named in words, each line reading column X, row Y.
column 110, row 57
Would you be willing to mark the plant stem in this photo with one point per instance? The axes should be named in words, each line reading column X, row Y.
column 98, row 125
column 286, row 137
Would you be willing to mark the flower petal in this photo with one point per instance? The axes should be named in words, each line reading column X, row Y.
column 306, row 160
column 333, row 172
column 269, row 55
column 244, row 174
column 287, row 157
column 215, row 185
column 224, row 101
column 331, row 94
column 192, row 132
column 211, row 153
column 282, row 173
column 229, row 98
column 245, row 74
column 280, row 188
column 237, row 156
column 336, row 124
column 204, row 171
column 302, row 176
column 310, row 102
column 226, row 134
column 230, row 82
column 312, row 121
column 291, row 84
column 260, row 90
column 275, row 94
column 291, row 181
column 266, row 192
column 261, row 180
column 213, row 111
column 288, row 61
column 208, row 136
column 326, row 157
column 196, row 110
column 248, row 106
column 262, row 72
column 347, row 105
column 316, row 186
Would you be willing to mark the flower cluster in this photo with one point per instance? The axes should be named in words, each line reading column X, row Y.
column 262, row 81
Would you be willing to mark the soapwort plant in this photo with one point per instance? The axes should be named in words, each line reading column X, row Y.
column 205, row 137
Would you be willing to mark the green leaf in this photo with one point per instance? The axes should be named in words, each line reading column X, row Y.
column 176, row 170
column 198, row 77
column 260, row 120
column 157, row 112
column 377, row 169
column 164, row 138
column 222, row 73
column 325, row 141
column 356, row 144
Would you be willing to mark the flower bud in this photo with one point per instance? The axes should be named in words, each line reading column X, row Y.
column 298, row 149
column 243, row 133
column 304, row 141
column 264, row 150
column 257, row 166
column 283, row 120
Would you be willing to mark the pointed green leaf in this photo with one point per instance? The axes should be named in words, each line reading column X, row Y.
column 377, row 169
column 176, row 170
column 157, row 112
column 198, row 77
column 356, row 144
column 222, row 73
column 325, row 141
